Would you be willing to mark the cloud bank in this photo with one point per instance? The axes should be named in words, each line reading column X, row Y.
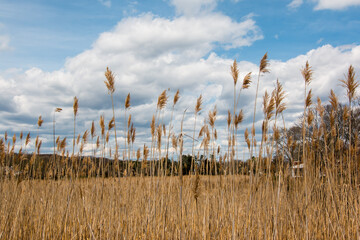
column 149, row 54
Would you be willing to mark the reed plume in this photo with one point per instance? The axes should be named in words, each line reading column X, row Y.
column 162, row 100
column 235, row 72
column 39, row 123
column 264, row 63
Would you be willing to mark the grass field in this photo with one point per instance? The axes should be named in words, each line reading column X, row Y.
column 148, row 208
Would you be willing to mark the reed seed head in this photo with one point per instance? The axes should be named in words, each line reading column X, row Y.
column 279, row 98
column 133, row 133
column 308, row 100
column 75, row 106
column 78, row 139
column 152, row 126
column 319, row 108
column 229, row 118
column 246, row 81
column 97, row 142
column 102, row 125
column 39, row 146
column 110, row 83
column 310, row 117
column 85, row 136
column 198, row 104
column 107, row 137
column 176, row 97
column 235, row 72
column 63, row 144
column 138, row 154
column 129, row 121
column 159, row 134
column 111, row 123
column 307, row 73
column 333, row 100
column 127, row 101
column 349, row 83
column 39, row 122
column 264, row 63
column 212, row 117
column 92, row 129
column 27, row 139
column 239, row 118
column 145, row 152
column 162, row 100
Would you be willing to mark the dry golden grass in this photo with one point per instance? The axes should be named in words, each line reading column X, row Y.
column 148, row 208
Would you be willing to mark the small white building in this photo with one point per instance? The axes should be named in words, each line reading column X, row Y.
column 297, row 170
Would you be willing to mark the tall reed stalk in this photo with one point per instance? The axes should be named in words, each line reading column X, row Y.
column 126, row 129
column 110, row 85
column 262, row 69
column 350, row 85
column 175, row 100
column 198, row 108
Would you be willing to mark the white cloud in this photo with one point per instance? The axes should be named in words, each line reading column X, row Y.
column 149, row 54
column 194, row 7
column 4, row 42
column 326, row 4
column 106, row 3
column 335, row 4
column 320, row 41
column 295, row 4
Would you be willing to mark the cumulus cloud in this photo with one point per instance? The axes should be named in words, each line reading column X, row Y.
column 335, row 4
column 147, row 54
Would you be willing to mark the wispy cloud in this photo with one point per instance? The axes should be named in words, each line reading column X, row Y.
column 106, row 3
column 4, row 42
column 295, row 4
column 194, row 7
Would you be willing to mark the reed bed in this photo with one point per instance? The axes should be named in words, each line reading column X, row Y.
column 132, row 209
column 206, row 195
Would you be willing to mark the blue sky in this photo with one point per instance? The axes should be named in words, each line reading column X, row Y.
column 45, row 33
column 51, row 51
